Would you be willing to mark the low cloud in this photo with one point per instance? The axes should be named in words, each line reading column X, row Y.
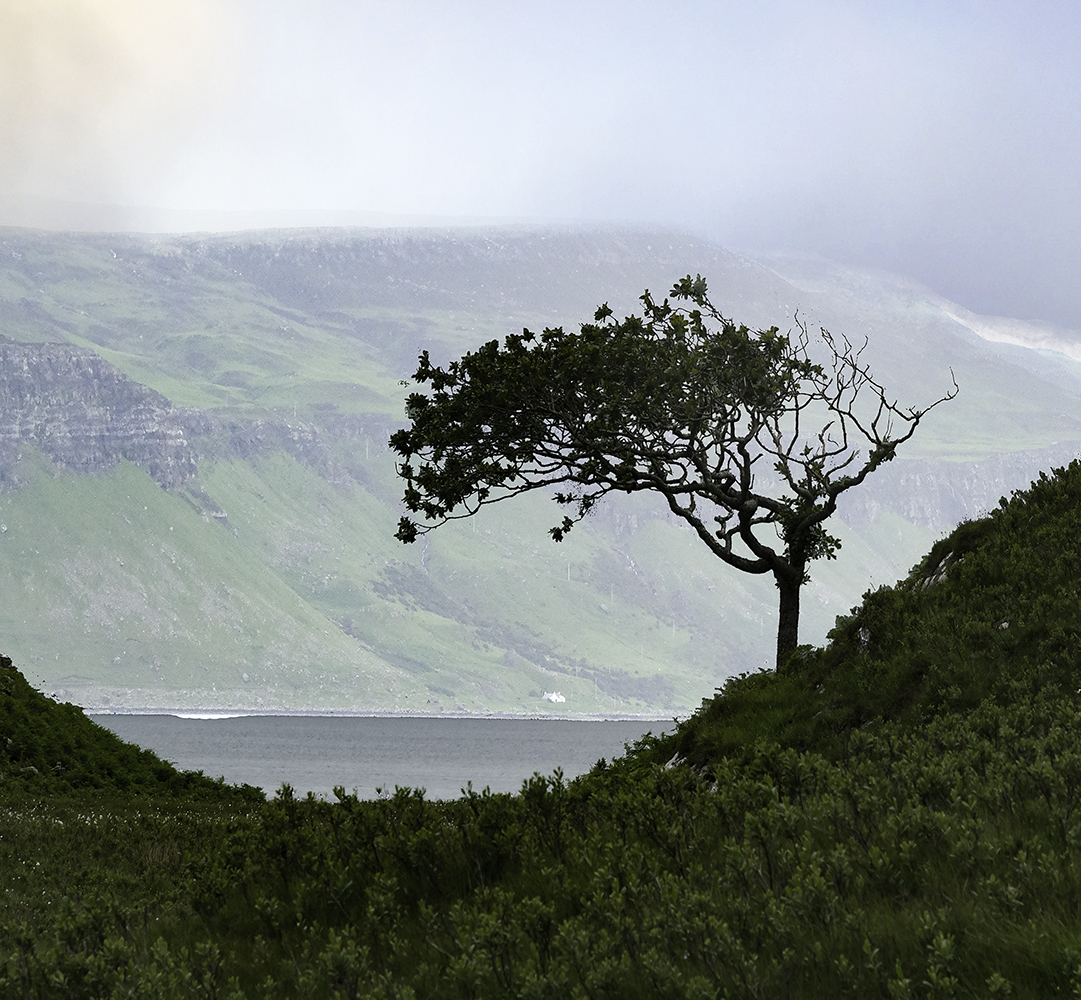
column 94, row 91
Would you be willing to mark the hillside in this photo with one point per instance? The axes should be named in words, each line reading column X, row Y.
column 198, row 504
column 989, row 617
column 894, row 816
column 48, row 748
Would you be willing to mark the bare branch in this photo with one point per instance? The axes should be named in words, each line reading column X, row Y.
column 680, row 401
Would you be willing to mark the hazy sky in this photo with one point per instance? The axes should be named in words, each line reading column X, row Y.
column 939, row 139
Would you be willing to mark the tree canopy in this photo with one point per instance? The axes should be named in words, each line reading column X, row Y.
column 747, row 438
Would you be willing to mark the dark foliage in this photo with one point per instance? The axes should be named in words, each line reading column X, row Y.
column 897, row 816
column 992, row 609
column 747, row 439
column 52, row 746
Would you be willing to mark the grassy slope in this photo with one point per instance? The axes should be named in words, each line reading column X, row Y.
column 309, row 595
column 1012, row 399
column 894, row 816
column 133, row 585
column 989, row 616
column 53, row 748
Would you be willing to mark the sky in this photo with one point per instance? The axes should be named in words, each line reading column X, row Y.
column 940, row 140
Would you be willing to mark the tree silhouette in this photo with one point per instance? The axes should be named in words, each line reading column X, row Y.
column 747, row 438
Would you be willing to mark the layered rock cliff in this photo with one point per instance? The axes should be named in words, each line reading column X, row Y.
column 940, row 494
column 86, row 415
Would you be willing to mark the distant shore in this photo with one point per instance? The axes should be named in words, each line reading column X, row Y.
column 241, row 713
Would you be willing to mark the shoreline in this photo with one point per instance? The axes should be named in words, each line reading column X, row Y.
column 222, row 714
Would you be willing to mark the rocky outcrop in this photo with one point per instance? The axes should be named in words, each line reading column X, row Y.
column 940, row 494
column 85, row 415
column 216, row 437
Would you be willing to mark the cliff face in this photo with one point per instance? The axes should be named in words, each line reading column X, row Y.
column 85, row 415
column 939, row 495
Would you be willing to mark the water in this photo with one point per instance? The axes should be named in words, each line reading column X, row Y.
column 315, row 753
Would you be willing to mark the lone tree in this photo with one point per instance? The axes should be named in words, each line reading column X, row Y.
column 747, row 438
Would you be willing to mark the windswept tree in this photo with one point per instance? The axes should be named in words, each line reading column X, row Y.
column 746, row 437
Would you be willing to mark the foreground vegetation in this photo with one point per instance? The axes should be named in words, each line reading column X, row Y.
column 895, row 815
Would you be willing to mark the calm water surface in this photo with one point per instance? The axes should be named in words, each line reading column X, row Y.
column 317, row 753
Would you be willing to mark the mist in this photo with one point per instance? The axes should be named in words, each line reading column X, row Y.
column 940, row 141
column 95, row 94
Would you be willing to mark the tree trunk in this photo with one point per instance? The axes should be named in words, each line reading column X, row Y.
column 788, row 622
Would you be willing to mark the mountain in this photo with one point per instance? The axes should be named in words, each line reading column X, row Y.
column 198, row 501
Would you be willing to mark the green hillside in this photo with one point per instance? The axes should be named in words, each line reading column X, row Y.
column 273, row 581
column 53, row 749
column 895, row 816
column 989, row 617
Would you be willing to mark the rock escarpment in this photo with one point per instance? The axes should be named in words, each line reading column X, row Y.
column 940, row 494
column 85, row 415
